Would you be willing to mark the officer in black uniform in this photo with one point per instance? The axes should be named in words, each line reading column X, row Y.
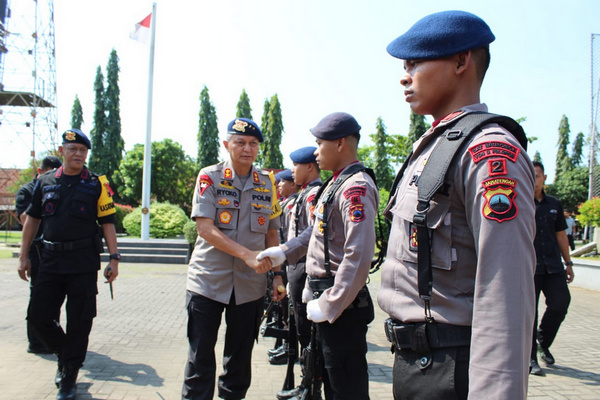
column 22, row 201
column 75, row 206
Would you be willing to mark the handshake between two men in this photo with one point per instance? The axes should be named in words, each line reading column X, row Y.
column 277, row 257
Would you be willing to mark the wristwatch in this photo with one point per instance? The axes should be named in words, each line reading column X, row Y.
column 278, row 273
column 569, row 264
column 114, row 256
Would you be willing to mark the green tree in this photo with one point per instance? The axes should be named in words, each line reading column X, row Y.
column 537, row 157
column 172, row 176
column 264, row 127
column 100, row 124
column 243, row 109
column 563, row 162
column 272, row 157
column 577, row 150
column 76, row 114
column 417, row 127
column 572, row 187
column 383, row 169
column 208, row 132
column 113, row 144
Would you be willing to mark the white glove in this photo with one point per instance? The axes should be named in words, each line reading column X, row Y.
column 276, row 255
column 313, row 311
column 307, row 295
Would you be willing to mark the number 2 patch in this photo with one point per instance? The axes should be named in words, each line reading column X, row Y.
column 497, row 166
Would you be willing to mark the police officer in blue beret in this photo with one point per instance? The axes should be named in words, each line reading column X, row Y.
column 339, row 248
column 472, row 336
column 77, row 210
column 306, row 174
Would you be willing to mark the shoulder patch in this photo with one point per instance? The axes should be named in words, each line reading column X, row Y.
column 499, row 198
column 494, row 148
column 204, row 183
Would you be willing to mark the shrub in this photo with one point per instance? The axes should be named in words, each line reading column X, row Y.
column 190, row 231
column 166, row 220
column 122, row 211
column 589, row 212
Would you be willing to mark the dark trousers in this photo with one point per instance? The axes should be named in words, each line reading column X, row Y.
column 296, row 275
column 556, row 292
column 35, row 256
column 446, row 378
column 571, row 242
column 47, row 297
column 343, row 345
column 204, row 319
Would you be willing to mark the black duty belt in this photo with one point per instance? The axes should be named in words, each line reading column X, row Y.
column 68, row 246
column 319, row 285
column 404, row 336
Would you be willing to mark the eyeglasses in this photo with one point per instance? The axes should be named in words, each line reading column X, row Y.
column 76, row 149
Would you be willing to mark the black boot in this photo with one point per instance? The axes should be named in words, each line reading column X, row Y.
column 304, row 392
column 58, row 376
column 288, row 394
column 68, row 384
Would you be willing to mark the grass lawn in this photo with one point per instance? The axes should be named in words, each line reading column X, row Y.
column 10, row 237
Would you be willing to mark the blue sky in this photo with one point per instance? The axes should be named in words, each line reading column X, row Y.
column 319, row 57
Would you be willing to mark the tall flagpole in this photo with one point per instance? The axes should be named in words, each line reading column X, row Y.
column 148, row 143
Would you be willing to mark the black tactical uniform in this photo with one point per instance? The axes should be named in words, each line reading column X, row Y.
column 70, row 209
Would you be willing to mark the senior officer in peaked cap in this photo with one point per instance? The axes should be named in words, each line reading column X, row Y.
column 343, row 234
column 472, row 337
column 71, row 201
column 237, row 214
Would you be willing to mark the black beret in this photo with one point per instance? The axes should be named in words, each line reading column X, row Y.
column 440, row 35
column 76, row 136
column 244, row 126
column 304, row 155
column 335, row 126
column 285, row 175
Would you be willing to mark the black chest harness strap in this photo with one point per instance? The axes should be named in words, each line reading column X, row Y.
column 432, row 179
column 299, row 202
column 328, row 200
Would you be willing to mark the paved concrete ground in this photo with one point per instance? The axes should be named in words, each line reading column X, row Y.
column 138, row 346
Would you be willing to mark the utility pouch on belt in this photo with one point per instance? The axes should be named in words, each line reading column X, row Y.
column 406, row 336
column 319, row 285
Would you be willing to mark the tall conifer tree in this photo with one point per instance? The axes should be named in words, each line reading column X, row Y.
column 208, row 132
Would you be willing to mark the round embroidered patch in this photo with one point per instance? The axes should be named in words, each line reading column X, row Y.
column 225, row 217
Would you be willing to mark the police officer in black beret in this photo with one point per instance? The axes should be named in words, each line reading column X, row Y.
column 77, row 209
column 22, row 201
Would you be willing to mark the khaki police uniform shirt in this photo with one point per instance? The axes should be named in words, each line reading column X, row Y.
column 304, row 209
column 482, row 254
column 286, row 213
column 244, row 214
column 351, row 235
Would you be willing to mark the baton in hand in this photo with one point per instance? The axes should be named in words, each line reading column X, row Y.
column 110, row 284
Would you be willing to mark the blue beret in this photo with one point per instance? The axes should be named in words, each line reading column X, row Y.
column 285, row 175
column 335, row 126
column 440, row 35
column 76, row 136
column 304, row 155
column 244, row 126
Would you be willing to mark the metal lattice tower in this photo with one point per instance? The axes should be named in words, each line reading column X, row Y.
column 28, row 115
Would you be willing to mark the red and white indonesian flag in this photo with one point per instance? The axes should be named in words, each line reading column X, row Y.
column 142, row 30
